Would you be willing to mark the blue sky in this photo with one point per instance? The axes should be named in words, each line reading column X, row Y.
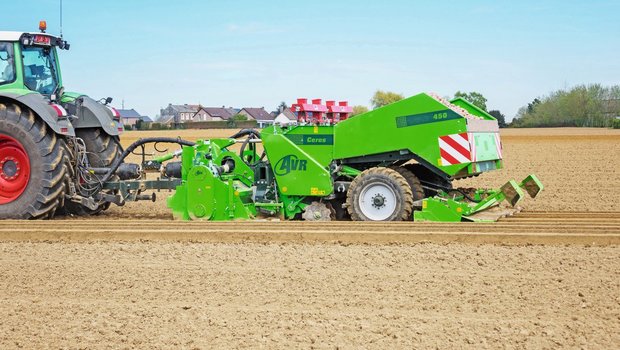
column 258, row 53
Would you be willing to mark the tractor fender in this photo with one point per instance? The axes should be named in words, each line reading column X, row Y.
column 92, row 114
column 42, row 108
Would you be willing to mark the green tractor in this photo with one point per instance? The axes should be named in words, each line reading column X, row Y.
column 48, row 136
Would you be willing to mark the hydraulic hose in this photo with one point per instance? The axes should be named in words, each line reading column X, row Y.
column 464, row 194
column 138, row 143
column 245, row 132
column 448, row 190
column 245, row 144
column 251, row 134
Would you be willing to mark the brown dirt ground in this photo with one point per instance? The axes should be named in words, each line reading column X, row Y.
column 204, row 295
column 118, row 282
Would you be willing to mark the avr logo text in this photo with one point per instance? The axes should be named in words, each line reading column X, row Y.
column 290, row 163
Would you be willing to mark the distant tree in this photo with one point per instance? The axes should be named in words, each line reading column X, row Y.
column 359, row 110
column 383, row 98
column 474, row 97
column 282, row 106
column 239, row 117
column 501, row 119
column 532, row 105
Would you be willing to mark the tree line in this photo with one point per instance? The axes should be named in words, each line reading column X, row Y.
column 580, row 106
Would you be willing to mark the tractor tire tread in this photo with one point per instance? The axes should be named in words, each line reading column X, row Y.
column 399, row 180
column 46, row 152
column 416, row 186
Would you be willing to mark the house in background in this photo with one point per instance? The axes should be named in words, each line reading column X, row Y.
column 285, row 117
column 173, row 115
column 166, row 120
column 179, row 113
column 186, row 113
column 214, row 113
column 233, row 111
column 130, row 117
column 262, row 117
column 200, row 115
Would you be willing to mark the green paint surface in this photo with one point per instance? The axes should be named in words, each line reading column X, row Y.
column 311, row 139
column 485, row 146
column 425, row 118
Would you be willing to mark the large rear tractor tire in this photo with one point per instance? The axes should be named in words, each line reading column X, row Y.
column 417, row 191
column 379, row 194
column 32, row 167
column 103, row 150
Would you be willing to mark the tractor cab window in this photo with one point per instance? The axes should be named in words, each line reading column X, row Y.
column 7, row 63
column 40, row 69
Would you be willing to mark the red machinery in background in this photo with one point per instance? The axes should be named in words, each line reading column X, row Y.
column 319, row 113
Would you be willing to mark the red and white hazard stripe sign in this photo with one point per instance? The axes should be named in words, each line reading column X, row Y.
column 60, row 111
column 498, row 145
column 454, row 149
column 114, row 111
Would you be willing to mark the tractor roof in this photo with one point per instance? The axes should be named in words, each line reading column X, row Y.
column 10, row 36
column 15, row 36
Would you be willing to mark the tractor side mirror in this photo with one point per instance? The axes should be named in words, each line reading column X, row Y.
column 108, row 100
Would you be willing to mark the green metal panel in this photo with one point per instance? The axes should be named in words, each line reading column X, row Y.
column 440, row 209
column 425, row 118
column 300, row 168
column 451, row 207
column 208, row 197
column 317, row 141
column 69, row 97
column 413, row 124
column 472, row 109
column 59, row 70
column 207, row 194
column 203, row 189
column 485, row 146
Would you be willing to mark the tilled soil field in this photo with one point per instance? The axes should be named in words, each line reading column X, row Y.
column 108, row 292
column 548, row 277
column 587, row 228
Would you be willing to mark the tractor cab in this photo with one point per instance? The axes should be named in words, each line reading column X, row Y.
column 29, row 61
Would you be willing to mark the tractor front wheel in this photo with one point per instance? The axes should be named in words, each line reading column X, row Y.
column 379, row 194
column 32, row 171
